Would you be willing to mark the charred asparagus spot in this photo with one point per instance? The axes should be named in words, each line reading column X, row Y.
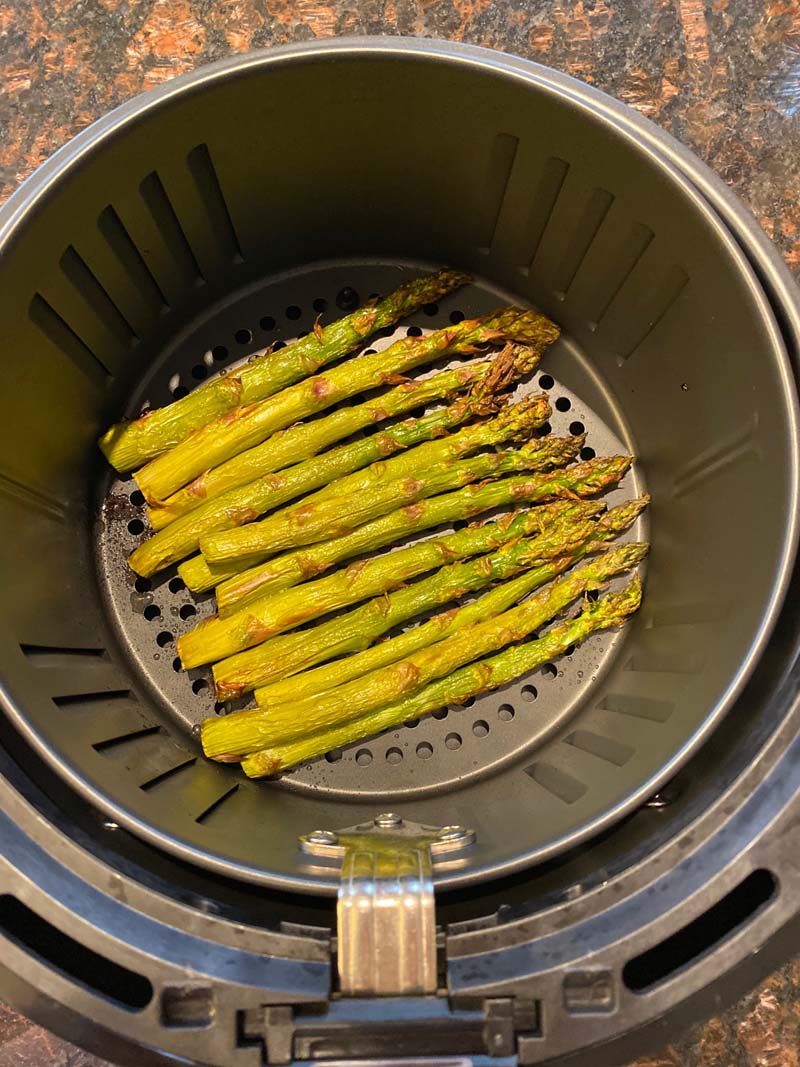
column 609, row 611
column 424, row 471
column 216, row 638
column 128, row 444
column 244, row 732
column 247, row 426
column 525, row 540
column 486, row 380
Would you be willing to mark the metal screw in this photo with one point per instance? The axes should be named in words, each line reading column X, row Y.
column 322, row 837
column 388, row 821
column 452, row 833
column 109, row 825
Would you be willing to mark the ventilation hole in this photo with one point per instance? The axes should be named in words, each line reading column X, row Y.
column 424, row 750
column 480, row 727
column 187, row 1006
column 199, row 684
column 440, row 714
column 431, row 309
column 135, row 526
column 550, row 670
column 694, row 940
column 373, row 298
column 219, row 353
column 142, row 585
column 164, row 638
column 468, row 702
column 394, row 755
column 320, row 304
column 559, row 783
column 411, row 723
column 587, row 453
column 414, row 331
column 66, row 956
column 293, row 312
column 278, row 346
column 368, row 352
column 187, row 610
column 546, row 382
column 177, row 666
column 221, row 708
column 544, row 430
column 137, row 498
column 84, row 699
column 363, row 757
column 176, row 584
column 152, row 611
column 593, row 594
column 563, row 404
column 347, row 299
column 125, row 741
column 456, row 317
column 333, row 756
column 505, row 713
column 267, row 323
column 179, row 392
column 199, row 372
column 243, row 337
column 576, row 428
column 453, row 741
column 529, row 693
column 570, row 650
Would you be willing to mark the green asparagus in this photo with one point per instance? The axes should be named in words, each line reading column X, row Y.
column 245, row 503
column 545, row 558
column 128, row 444
column 237, row 590
column 425, row 471
column 241, row 733
column 557, row 525
column 304, row 440
column 216, row 638
column 611, row 610
column 249, row 425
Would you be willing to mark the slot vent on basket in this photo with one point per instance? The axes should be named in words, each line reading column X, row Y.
column 737, row 447
column 557, row 782
column 86, row 283
column 215, row 807
column 110, row 743
column 639, row 707
column 591, row 219
column 60, row 657
column 545, row 196
column 501, row 160
column 654, row 305
column 663, row 662
column 621, row 262
column 74, row 699
column 158, row 203
column 60, row 333
column 201, row 167
column 164, row 776
column 605, row 748
column 132, row 260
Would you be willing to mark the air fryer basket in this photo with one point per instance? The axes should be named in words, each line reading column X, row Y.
column 172, row 240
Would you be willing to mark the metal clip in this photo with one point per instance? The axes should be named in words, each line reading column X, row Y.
column 385, row 915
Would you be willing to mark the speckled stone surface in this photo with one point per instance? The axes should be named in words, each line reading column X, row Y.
column 722, row 75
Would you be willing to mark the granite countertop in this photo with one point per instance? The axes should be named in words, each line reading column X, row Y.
column 722, row 75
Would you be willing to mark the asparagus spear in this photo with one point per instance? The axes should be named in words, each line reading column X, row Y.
column 425, row 471
column 245, row 503
column 216, row 638
column 128, row 444
column 300, row 442
column 247, row 426
column 611, row 610
column 240, row 589
column 544, row 558
column 241, row 733
column 558, row 525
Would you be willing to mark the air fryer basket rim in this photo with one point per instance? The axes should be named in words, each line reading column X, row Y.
column 663, row 152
